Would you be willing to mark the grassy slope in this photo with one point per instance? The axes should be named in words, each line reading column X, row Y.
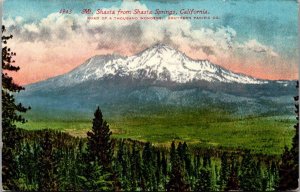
column 267, row 135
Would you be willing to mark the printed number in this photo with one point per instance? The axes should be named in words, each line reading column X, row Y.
column 65, row 11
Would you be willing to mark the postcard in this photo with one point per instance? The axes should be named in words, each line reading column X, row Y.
column 193, row 95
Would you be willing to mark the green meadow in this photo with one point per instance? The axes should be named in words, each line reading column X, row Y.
column 198, row 127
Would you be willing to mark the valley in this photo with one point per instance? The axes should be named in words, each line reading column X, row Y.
column 199, row 128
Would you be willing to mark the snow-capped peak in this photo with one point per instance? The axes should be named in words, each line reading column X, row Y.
column 160, row 48
column 159, row 62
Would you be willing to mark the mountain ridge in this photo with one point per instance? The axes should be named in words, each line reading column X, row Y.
column 151, row 78
column 159, row 62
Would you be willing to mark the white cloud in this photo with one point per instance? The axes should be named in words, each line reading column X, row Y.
column 254, row 46
column 139, row 34
column 31, row 28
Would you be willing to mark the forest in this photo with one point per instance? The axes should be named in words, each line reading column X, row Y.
column 48, row 160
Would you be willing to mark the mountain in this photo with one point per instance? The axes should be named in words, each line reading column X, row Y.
column 159, row 75
column 160, row 62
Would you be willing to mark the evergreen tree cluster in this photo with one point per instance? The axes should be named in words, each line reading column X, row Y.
column 289, row 167
column 10, row 115
column 55, row 161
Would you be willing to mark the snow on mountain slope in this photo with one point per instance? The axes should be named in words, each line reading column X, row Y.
column 160, row 62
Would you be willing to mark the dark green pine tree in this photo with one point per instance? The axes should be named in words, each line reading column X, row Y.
column 180, row 151
column 148, row 168
column 232, row 180
column 197, row 165
column 286, row 176
column 206, row 160
column 73, row 170
column 10, row 116
column 176, row 182
column 289, row 168
column 204, row 181
column 164, row 168
column 122, row 165
column 28, row 171
column 47, row 180
column 187, row 159
column 158, row 170
column 261, row 174
column 224, row 171
column 95, row 178
column 274, row 175
column 173, row 152
column 295, row 143
column 99, row 144
column 80, row 165
column 100, row 151
column 135, row 168
column 248, row 177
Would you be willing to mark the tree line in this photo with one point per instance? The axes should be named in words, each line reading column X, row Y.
column 48, row 160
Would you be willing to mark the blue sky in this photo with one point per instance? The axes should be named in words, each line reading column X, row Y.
column 273, row 22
